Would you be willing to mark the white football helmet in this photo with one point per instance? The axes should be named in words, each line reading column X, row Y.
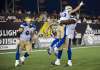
column 69, row 8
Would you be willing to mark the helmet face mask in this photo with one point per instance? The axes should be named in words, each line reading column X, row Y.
column 68, row 8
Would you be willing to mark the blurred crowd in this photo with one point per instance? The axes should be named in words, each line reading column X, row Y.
column 20, row 15
column 43, row 16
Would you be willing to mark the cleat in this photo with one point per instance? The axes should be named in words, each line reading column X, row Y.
column 17, row 63
column 69, row 63
column 57, row 63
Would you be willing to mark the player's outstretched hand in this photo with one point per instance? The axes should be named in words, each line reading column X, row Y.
column 81, row 4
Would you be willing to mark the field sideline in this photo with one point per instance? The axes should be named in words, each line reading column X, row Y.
column 46, row 50
column 83, row 59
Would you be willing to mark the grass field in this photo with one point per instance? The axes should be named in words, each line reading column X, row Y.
column 83, row 59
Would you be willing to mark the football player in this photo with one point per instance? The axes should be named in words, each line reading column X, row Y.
column 65, row 18
column 58, row 35
column 25, row 32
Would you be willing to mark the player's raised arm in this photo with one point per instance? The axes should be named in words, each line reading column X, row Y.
column 77, row 8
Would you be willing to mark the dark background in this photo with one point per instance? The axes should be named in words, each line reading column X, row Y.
column 91, row 7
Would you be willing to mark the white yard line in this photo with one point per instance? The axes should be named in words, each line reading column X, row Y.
column 46, row 50
column 15, row 52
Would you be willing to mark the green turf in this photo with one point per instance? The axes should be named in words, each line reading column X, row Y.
column 83, row 59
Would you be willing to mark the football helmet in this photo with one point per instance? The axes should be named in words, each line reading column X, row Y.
column 69, row 8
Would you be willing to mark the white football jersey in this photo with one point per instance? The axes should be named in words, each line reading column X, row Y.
column 27, row 33
column 69, row 28
column 64, row 15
